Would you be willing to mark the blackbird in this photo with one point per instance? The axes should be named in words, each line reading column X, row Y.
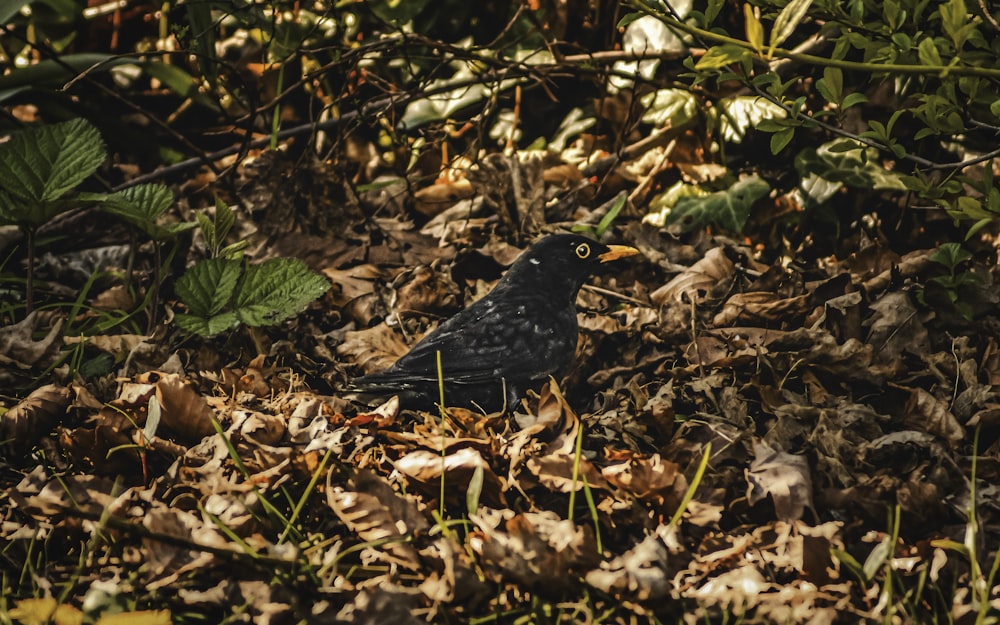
column 513, row 339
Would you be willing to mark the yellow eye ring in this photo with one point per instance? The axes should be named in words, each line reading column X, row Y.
column 582, row 250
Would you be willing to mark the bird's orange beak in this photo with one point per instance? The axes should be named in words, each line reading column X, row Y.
column 617, row 251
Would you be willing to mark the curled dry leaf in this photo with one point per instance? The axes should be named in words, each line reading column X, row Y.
column 426, row 468
column 925, row 412
column 645, row 477
column 373, row 349
column 375, row 512
column 536, row 548
column 19, row 349
column 556, row 472
column 782, row 476
column 762, row 308
column 698, row 281
column 644, row 571
column 184, row 411
column 32, row 418
column 425, row 291
column 435, row 199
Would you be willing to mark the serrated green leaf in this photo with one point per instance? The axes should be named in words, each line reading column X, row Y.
column 142, row 206
column 207, row 326
column 277, row 289
column 787, row 21
column 209, row 285
column 225, row 217
column 43, row 163
column 207, row 229
column 728, row 209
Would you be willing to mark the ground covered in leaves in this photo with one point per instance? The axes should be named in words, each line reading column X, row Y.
column 748, row 434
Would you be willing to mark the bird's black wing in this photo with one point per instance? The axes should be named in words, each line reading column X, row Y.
column 498, row 336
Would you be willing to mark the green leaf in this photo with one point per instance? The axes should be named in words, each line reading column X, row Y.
column 628, row 18
column 954, row 22
column 203, row 37
column 669, row 107
column 52, row 73
column 728, row 209
column 43, row 163
column 209, row 285
column 276, row 289
column 853, row 99
column 142, row 206
column 207, row 326
column 712, row 11
column 831, row 85
column 787, row 21
column 720, row 56
column 928, row 53
column 781, row 138
column 754, row 30
column 740, row 114
column 951, row 255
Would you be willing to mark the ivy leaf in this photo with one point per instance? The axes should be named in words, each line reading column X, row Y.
column 669, row 107
column 728, row 209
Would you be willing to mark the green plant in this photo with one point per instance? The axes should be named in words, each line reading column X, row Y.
column 952, row 257
column 221, row 294
column 813, row 68
column 40, row 167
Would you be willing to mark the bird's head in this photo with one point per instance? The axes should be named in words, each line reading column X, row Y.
column 559, row 264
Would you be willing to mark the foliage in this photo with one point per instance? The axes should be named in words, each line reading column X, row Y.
column 221, row 293
column 794, row 368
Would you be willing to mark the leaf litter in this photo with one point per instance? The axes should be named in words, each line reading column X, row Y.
column 838, row 409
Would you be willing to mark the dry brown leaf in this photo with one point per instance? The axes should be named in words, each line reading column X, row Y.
column 928, row 413
column 184, row 410
column 19, row 349
column 33, row 417
column 645, row 477
column 643, row 572
column 762, row 308
column 435, row 199
column 373, row 349
column 426, row 468
column 375, row 512
column 535, row 548
column 783, row 477
column 698, row 281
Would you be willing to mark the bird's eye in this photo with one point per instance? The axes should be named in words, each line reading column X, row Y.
column 582, row 250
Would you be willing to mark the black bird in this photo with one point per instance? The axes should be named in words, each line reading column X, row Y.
column 513, row 339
